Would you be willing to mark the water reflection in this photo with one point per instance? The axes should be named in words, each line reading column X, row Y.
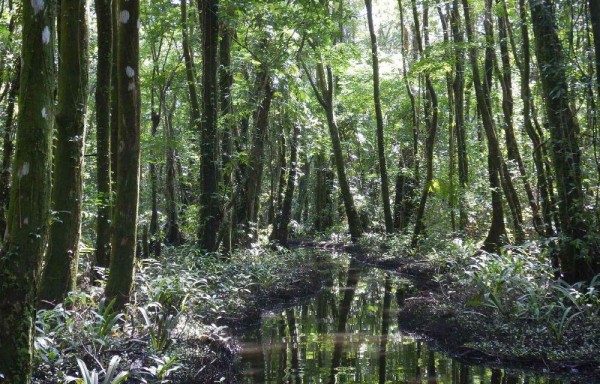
column 347, row 334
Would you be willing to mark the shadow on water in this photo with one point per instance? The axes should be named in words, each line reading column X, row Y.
column 347, row 334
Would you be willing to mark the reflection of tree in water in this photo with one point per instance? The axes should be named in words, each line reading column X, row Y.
column 344, row 310
column 385, row 327
column 347, row 334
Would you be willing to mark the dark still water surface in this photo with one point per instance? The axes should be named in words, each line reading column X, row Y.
column 348, row 333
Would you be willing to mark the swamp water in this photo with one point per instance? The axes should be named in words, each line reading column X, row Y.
column 348, row 333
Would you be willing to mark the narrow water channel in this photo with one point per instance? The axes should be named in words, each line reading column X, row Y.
column 348, row 333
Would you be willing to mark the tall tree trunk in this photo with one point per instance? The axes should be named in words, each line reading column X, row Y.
column 29, row 211
column 249, row 191
column 120, row 279
column 281, row 227
column 512, row 146
column 452, row 196
column 431, row 122
column 576, row 262
column 173, row 234
column 303, row 183
column 114, row 104
column 539, row 155
column 8, row 149
column 408, row 167
column 230, row 133
column 497, row 232
column 508, row 188
column 154, row 241
column 210, row 214
column 385, row 189
column 595, row 19
column 354, row 223
column 323, row 193
column 62, row 259
column 104, row 19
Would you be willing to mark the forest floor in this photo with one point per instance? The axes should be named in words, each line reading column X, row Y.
column 188, row 308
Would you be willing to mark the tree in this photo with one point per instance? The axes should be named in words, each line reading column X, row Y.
column 124, row 230
column 578, row 261
column 281, row 225
column 497, row 232
column 62, row 259
column 104, row 20
column 431, row 121
column 385, row 190
column 29, row 211
column 210, row 215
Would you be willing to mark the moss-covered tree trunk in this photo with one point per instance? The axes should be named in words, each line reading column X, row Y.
column 595, row 19
column 248, row 200
column 29, row 212
column 281, row 226
column 512, row 147
column 431, row 122
column 8, row 148
column 497, row 232
column 408, row 167
column 325, row 93
column 385, row 189
column 104, row 23
column 123, row 239
column 577, row 262
column 114, row 101
column 173, row 234
column 539, row 151
column 210, row 210
column 458, row 88
column 62, row 259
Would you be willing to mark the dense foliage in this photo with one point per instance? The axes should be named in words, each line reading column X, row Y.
column 153, row 151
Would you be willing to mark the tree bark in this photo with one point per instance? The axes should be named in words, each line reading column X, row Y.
column 62, row 259
column 29, row 211
column 539, row 153
column 281, row 227
column 249, row 192
column 173, row 234
column 104, row 19
column 408, row 167
column 431, row 122
column 122, row 261
column 8, row 149
column 385, row 189
column 595, row 19
column 497, row 233
column 576, row 261
column 210, row 214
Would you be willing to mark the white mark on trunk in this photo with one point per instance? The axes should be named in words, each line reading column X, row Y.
column 24, row 171
column 46, row 35
column 131, row 86
column 124, row 16
column 44, row 113
column 37, row 6
column 129, row 71
column 26, row 220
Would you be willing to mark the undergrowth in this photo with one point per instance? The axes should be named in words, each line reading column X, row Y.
column 511, row 301
column 180, row 309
